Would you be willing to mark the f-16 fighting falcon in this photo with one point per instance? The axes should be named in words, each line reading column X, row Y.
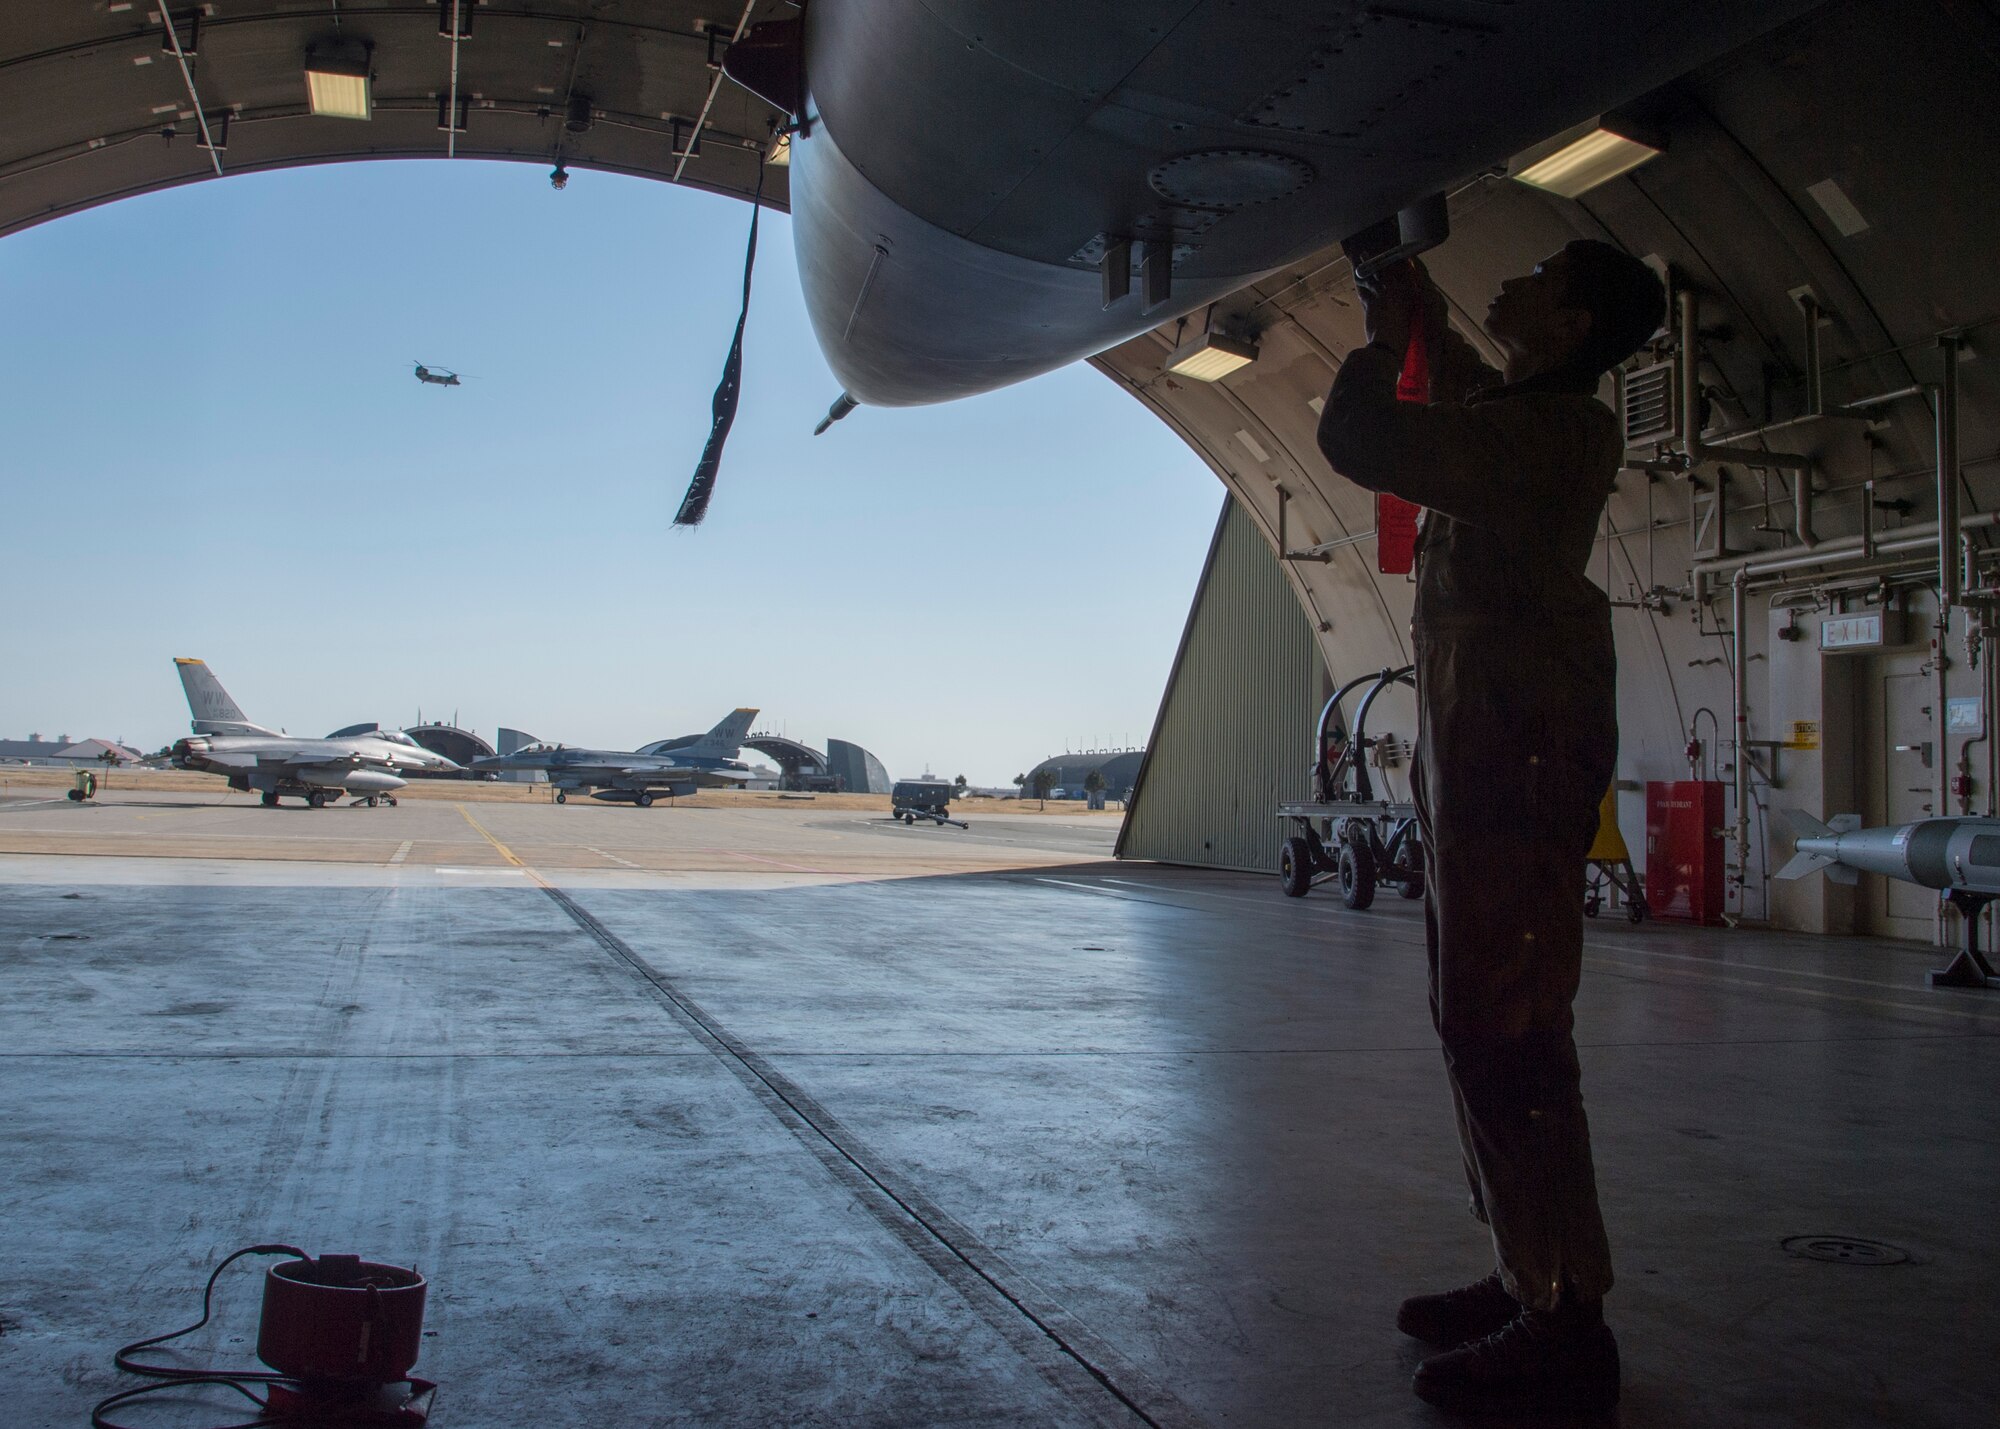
column 669, row 766
column 274, row 763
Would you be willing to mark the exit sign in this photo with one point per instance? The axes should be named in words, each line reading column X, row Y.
column 1874, row 630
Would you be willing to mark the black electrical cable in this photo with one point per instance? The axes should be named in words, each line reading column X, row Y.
column 694, row 505
column 167, row 1377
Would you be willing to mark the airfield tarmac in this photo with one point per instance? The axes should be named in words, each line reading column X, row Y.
column 782, row 1114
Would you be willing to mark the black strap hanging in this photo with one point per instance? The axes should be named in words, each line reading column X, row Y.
column 694, row 505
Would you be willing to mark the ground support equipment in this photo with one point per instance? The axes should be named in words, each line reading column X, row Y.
column 1344, row 831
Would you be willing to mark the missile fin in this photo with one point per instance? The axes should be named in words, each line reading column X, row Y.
column 1805, row 863
column 1844, row 823
column 1805, row 826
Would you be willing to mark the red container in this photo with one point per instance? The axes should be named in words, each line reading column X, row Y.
column 340, row 1317
column 1684, row 850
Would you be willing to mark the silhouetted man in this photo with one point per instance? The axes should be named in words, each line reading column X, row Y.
column 1517, row 739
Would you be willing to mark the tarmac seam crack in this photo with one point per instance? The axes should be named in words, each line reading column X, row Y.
column 951, row 1250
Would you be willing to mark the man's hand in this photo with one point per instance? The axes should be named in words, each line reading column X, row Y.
column 1396, row 299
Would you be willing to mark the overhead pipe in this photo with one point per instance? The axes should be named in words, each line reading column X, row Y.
column 1739, row 674
column 1695, row 451
column 1947, row 479
column 1838, row 551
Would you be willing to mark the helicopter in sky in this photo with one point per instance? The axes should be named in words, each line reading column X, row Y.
column 437, row 376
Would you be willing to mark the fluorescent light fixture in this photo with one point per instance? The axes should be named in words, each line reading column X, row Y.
column 780, row 152
column 1211, row 355
column 337, row 81
column 1577, row 160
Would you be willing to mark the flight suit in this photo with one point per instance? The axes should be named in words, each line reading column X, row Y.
column 1517, row 739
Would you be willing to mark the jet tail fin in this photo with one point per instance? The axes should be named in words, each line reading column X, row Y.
column 725, row 741
column 214, row 712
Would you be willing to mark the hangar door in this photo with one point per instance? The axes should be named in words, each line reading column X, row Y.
column 1233, row 737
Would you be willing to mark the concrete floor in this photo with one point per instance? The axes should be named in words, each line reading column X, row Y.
column 947, row 1132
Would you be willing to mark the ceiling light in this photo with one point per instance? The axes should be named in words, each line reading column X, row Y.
column 337, row 81
column 1577, row 160
column 1211, row 355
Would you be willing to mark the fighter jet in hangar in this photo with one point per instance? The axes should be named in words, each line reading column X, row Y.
column 980, row 194
column 274, row 763
column 667, row 766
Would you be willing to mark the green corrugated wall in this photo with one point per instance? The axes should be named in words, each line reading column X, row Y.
column 1235, row 728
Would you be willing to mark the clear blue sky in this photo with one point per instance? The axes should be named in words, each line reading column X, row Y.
column 214, row 446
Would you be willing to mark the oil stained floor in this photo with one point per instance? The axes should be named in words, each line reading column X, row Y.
column 1068, row 1144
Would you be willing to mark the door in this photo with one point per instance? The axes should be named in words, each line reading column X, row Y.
column 1899, row 785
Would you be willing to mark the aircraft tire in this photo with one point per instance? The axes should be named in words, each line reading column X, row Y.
column 369, row 801
column 270, row 798
column 643, row 799
column 76, row 796
column 561, row 798
column 316, row 799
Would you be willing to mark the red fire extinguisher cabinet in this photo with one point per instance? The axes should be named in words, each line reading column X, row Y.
column 1684, row 850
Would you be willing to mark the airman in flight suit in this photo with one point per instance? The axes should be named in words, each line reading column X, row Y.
column 1517, row 739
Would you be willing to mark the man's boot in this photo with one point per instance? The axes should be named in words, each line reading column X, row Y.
column 1561, row 1361
column 1471, row 1312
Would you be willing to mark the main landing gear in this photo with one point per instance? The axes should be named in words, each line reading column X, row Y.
column 270, row 800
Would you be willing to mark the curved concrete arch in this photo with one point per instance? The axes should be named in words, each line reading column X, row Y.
column 98, row 108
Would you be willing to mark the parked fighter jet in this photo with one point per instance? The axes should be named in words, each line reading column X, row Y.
column 253, row 757
column 666, row 766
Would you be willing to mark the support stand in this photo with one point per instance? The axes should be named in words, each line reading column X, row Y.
column 1969, row 968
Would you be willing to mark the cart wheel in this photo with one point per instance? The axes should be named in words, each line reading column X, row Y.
column 1412, row 887
column 76, row 796
column 1591, row 904
column 1635, row 910
column 316, row 799
column 561, row 798
column 1295, row 867
column 391, row 798
column 643, row 799
column 1357, row 877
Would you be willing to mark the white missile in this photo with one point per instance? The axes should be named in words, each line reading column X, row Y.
column 1950, row 854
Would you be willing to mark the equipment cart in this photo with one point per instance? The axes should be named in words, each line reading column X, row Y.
column 1345, row 831
column 914, row 799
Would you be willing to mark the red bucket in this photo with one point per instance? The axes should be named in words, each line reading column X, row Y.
column 340, row 1317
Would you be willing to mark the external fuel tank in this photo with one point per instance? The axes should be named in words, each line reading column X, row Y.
column 962, row 170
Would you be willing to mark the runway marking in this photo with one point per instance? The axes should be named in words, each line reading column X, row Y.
column 587, row 848
column 480, row 829
column 402, row 853
column 490, row 872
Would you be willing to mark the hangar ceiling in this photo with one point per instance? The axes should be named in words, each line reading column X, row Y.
column 1848, row 152
column 97, row 106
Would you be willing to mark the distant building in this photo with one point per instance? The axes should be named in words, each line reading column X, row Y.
column 1120, row 768
column 65, row 751
column 854, row 769
column 513, row 741
column 460, row 746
